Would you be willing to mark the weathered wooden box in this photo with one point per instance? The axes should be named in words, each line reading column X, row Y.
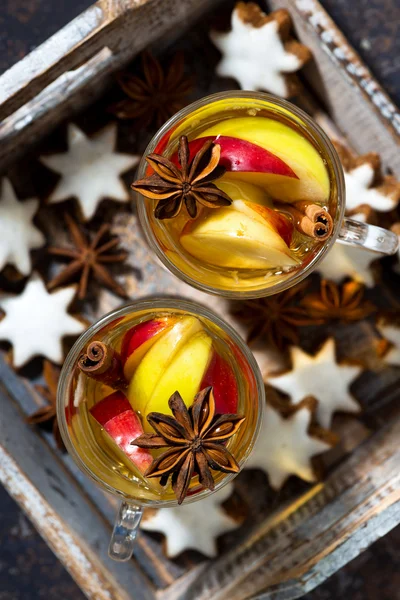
column 290, row 542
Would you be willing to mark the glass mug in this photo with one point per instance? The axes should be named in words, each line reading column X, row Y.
column 198, row 254
column 95, row 438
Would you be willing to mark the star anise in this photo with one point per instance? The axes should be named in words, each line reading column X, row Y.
column 274, row 319
column 332, row 302
column 190, row 184
column 196, row 440
column 155, row 97
column 88, row 257
column 47, row 415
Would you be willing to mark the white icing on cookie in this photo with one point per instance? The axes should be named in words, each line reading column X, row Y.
column 90, row 169
column 359, row 217
column 17, row 233
column 359, row 191
column 321, row 377
column 255, row 56
column 347, row 261
column 36, row 321
column 193, row 526
column 285, row 448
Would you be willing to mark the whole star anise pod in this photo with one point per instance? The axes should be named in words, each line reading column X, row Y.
column 196, row 441
column 191, row 184
column 274, row 319
column 332, row 302
column 47, row 415
column 155, row 97
column 88, row 257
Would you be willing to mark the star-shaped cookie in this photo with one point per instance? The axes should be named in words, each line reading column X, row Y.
column 18, row 235
column 35, row 322
column 391, row 332
column 193, row 526
column 323, row 378
column 285, row 446
column 348, row 261
column 90, row 169
column 258, row 51
column 366, row 187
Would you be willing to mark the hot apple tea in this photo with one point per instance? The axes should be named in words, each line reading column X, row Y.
column 163, row 404
column 238, row 194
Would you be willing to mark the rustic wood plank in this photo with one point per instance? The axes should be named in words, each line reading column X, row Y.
column 148, row 553
column 89, row 576
column 356, row 102
column 66, row 50
column 300, row 546
column 72, row 68
column 63, row 515
column 371, row 27
column 282, row 549
column 20, row 390
column 61, row 98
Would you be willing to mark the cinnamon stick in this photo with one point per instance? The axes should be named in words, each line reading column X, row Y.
column 102, row 363
column 309, row 219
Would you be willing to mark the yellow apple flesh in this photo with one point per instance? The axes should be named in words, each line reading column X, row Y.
column 281, row 224
column 157, row 359
column 288, row 145
column 184, row 374
column 230, row 238
column 139, row 339
column 242, row 190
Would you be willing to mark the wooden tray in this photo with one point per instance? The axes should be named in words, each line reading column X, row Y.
column 291, row 541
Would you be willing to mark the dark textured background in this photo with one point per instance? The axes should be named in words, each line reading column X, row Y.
column 372, row 26
column 28, row 569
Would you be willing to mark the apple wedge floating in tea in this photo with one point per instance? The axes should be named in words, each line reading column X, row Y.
column 188, row 367
column 121, row 425
column 237, row 239
column 240, row 155
column 221, row 377
column 175, row 388
column 139, row 339
column 305, row 178
column 247, row 197
column 157, row 360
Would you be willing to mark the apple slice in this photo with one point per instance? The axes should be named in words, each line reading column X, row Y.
column 184, row 374
column 139, row 339
column 279, row 222
column 121, row 426
column 222, row 378
column 230, row 238
column 285, row 143
column 157, row 359
column 242, row 155
column 242, row 190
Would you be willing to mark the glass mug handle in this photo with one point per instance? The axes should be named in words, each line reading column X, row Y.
column 369, row 237
column 125, row 531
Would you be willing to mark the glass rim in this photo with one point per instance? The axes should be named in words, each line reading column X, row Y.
column 298, row 276
column 151, row 304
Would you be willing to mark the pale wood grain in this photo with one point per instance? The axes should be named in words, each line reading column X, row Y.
column 149, row 555
column 305, row 540
column 296, row 549
column 65, row 518
column 356, row 102
column 73, row 67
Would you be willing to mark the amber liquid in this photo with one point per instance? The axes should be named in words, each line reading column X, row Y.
column 105, row 460
column 168, row 232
